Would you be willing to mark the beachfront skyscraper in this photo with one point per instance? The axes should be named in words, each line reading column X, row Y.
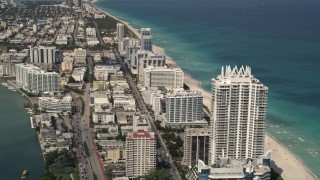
column 120, row 31
column 145, row 32
column 146, row 39
column 146, row 43
column 239, row 110
column 183, row 107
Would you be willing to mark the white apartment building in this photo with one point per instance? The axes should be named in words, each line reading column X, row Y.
column 7, row 69
column 103, row 117
column 35, row 80
column 43, row 55
column 120, row 31
column 80, row 56
column 170, row 78
column 52, row 104
column 141, row 153
column 78, row 73
column 144, row 59
column 125, row 102
column 132, row 47
column 155, row 99
column 62, row 39
column 183, row 107
column 98, row 98
column 91, row 32
column 239, row 111
column 122, row 44
column 101, row 72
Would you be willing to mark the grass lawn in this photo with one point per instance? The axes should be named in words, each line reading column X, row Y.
column 76, row 174
column 60, row 173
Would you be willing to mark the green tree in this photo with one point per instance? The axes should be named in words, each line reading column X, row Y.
column 157, row 174
column 71, row 80
column 53, row 122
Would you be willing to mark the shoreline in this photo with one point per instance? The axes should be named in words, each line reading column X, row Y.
column 288, row 165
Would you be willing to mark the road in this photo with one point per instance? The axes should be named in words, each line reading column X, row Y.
column 162, row 150
column 87, row 136
column 83, row 161
column 88, row 165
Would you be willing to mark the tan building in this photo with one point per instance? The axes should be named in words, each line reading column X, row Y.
column 141, row 153
column 67, row 64
column 80, row 56
column 116, row 155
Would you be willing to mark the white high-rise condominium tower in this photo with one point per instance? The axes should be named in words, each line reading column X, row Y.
column 43, row 55
column 35, row 80
column 239, row 110
column 120, row 31
column 183, row 107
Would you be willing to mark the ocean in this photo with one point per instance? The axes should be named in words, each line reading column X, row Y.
column 19, row 146
column 279, row 39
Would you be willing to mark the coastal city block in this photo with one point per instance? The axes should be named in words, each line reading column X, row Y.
column 106, row 103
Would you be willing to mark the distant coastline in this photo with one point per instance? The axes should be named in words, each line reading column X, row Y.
column 290, row 168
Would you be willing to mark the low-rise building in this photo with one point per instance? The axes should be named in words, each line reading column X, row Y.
column 80, row 56
column 78, row 73
column 115, row 155
column 227, row 168
column 103, row 114
column 101, row 72
column 67, row 63
column 43, row 119
column 125, row 102
column 54, row 104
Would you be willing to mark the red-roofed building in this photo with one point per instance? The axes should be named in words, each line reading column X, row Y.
column 141, row 153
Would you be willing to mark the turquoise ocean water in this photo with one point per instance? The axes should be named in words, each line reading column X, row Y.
column 19, row 146
column 279, row 39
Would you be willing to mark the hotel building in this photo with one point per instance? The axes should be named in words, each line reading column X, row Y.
column 141, row 153
column 239, row 111
column 35, row 80
column 183, row 107
column 170, row 78
column 52, row 104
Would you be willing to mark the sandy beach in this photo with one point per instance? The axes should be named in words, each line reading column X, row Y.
column 285, row 162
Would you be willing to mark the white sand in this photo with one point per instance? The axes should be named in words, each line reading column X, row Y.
column 286, row 163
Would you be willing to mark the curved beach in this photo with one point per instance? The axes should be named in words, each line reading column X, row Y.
column 285, row 162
